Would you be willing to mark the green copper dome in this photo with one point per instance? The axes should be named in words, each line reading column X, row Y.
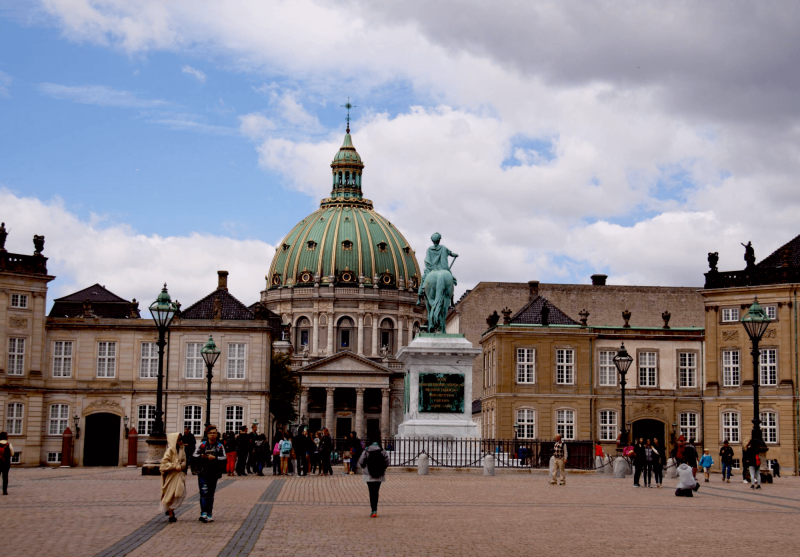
column 345, row 242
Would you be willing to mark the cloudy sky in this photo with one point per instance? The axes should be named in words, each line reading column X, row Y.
column 163, row 140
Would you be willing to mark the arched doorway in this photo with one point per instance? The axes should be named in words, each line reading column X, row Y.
column 649, row 429
column 101, row 440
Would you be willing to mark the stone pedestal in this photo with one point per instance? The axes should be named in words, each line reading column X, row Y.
column 156, row 446
column 438, row 387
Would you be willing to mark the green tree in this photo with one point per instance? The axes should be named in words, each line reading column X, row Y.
column 284, row 388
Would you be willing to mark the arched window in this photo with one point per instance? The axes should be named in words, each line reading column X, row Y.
column 347, row 178
column 302, row 334
column 526, row 419
column 340, row 178
column 345, row 334
column 387, row 335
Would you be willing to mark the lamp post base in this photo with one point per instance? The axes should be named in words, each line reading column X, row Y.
column 156, row 446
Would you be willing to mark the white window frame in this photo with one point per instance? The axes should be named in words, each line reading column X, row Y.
column 769, row 427
column 736, row 464
column 687, row 425
column 526, row 366
column 15, row 415
column 768, row 367
column 194, row 360
column 731, row 427
column 607, row 371
column 145, row 418
column 648, row 369
column 730, row 315
column 565, row 423
column 17, row 458
column 193, row 418
column 771, row 312
column 731, row 368
column 236, row 366
column 53, row 457
column 19, row 301
column 687, row 370
column 565, row 366
column 148, row 362
column 526, row 419
column 62, row 358
column 608, row 425
column 16, row 356
column 234, row 418
column 106, row 359
column 58, row 419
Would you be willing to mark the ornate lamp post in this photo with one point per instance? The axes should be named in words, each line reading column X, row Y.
column 162, row 310
column 210, row 354
column 623, row 361
column 755, row 322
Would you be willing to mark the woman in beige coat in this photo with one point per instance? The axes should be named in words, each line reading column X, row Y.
column 173, row 476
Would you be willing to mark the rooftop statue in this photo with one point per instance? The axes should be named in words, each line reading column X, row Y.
column 437, row 284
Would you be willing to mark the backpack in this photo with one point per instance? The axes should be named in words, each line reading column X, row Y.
column 758, row 461
column 4, row 451
column 376, row 464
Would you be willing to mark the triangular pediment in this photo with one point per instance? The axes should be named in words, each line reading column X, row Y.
column 346, row 362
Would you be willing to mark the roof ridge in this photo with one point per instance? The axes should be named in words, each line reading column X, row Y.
column 223, row 293
column 79, row 296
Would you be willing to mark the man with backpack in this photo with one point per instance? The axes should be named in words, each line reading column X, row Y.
column 209, row 459
column 6, row 452
column 374, row 461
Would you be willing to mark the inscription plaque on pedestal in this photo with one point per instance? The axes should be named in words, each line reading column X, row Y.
column 441, row 392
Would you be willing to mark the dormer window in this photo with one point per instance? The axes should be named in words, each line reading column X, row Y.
column 285, row 247
column 382, row 247
column 407, row 250
column 311, row 245
column 347, row 245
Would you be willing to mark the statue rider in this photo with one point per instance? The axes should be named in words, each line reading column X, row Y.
column 435, row 260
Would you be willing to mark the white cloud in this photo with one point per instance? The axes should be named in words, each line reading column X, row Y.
column 5, row 83
column 99, row 95
column 194, row 72
column 132, row 265
column 255, row 125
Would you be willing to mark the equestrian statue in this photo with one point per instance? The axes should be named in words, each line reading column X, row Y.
column 437, row 284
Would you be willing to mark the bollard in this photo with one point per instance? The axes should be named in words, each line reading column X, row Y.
column 423, row 468
column 133, row 447
column 66, row 448
column 488, row 465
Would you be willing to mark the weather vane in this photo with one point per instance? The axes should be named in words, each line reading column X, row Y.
column 348, row 106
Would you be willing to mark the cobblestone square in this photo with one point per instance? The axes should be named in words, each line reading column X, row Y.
column 114, row 511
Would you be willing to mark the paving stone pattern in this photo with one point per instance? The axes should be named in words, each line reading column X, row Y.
column 85, row 512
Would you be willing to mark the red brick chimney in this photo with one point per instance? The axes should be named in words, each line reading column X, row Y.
column 222, row 280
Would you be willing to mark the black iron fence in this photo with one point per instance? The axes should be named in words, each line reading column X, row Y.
column 469, row 453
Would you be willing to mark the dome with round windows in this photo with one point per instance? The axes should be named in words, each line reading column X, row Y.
column 345, row 242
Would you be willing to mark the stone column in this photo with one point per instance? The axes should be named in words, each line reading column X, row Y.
column 399, row 332
column 330, row 334
column 410, row 331
column 360, row 412
column 315, row 336
column 375, row 352
column 385, row 427
column 360, row 334
column 329, row 409
column 304, row 402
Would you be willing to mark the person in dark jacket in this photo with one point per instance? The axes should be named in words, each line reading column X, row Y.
column 190, row 444
column 691, row 456
column 229, row 442
column 303, row 449
column 242, row 450
column 252, row 457
column 375, row 478
column 6, row 452
column 354, row 444
column 726, row 457
column 276, row 455
column 776, row 468
column 659, row 461
column 639, row 461
column 210, row 460
column 325, row 450
column 750, row 462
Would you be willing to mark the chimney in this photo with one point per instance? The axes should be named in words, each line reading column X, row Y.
column 223, row 280
column 533, row 289
column 599, row 280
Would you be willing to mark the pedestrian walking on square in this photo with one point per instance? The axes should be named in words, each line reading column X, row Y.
column 6, row 452
column 229, row 442
column 559, row 461
column 210, row 458
column 262, row 453
column 639, row 461
column 285, row 447
column 706, row 462
column 325, row 450
column 726, row 457
column 752, row 461
column 659, row 461
column 373, row 462
column 173, row 476
column 355, row 451
column 276, row 453
column 686, row 482
column 189, row 445
column 242, row 450
column 252, row 457
column 650, row 459
column 315, row 464
column 776, row 468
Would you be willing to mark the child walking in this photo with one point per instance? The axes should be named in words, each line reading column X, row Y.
column 706, row 462
column 173, row 476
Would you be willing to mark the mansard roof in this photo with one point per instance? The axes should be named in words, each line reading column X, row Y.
column 103, row 303
column 94, row 293
column 531, row 314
